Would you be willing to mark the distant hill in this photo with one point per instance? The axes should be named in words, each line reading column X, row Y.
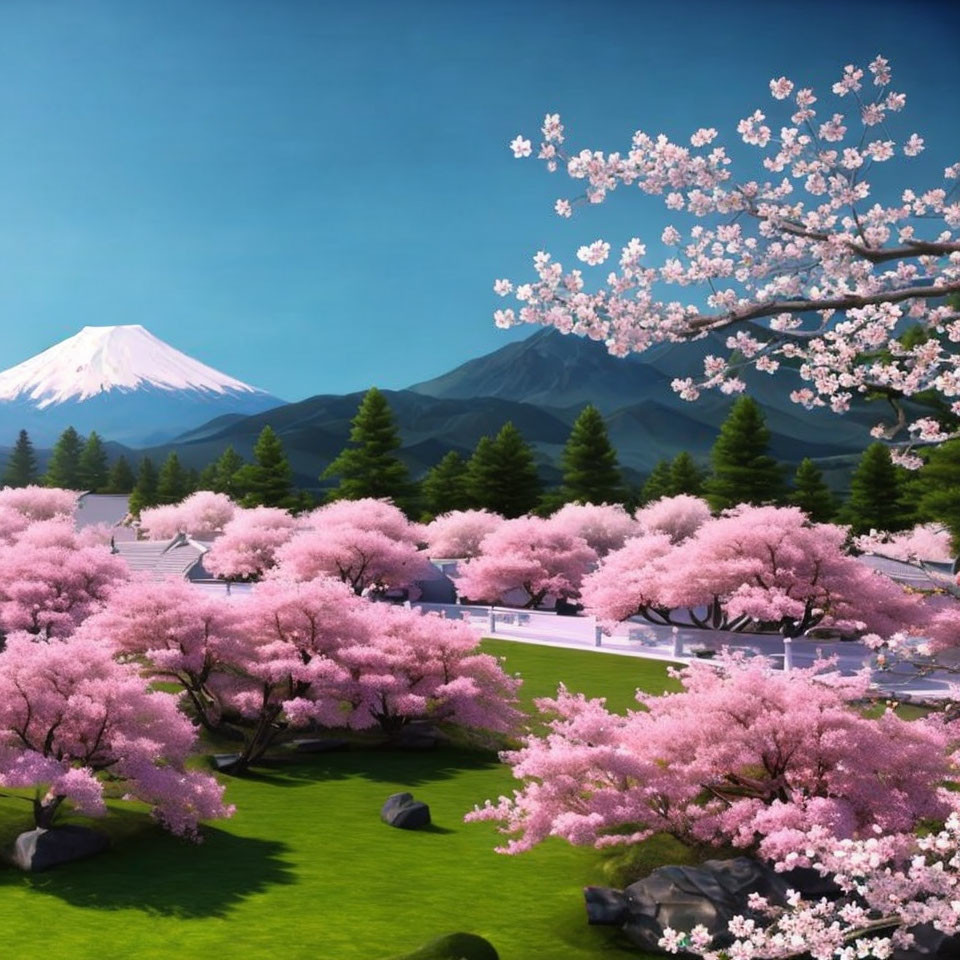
column 541, row 384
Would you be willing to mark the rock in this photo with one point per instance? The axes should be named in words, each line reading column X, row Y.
column 319, row 745
column 42, row 849
column 454, row 946
column 225, row 762
column 713, row 893
column 604, row 906
column 401, row 810
column 416, row 736
column 682, row 897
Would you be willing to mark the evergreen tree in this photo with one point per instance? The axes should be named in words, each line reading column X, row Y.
column 480, row 478
column 937, row 488
column 63, row 470
column 121, row 478
column 207, row 478
column 877, row 494
column 743, row 470
column 502, row 474
column 658, row 484
column 94, row 469
column 811, row 494
column 192, row 480
column 591, row 473
column 370, row 467
column 444, row 487
column 21, row 469
column 225, row 471
column 267, row 482
column 172, row 481
column 685, row 475
column 144, row 492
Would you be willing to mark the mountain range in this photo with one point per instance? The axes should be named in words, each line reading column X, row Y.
column 147, row 396
column 123, row 382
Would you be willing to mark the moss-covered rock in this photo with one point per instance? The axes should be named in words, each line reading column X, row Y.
column 454, row 946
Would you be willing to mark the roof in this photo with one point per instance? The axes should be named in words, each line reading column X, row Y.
column 909, row 574
column 107, row 508
column 162, row 558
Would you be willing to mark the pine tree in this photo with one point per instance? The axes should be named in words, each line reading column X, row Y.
column 21, row 469
column 591, row 473
column 502, row 474
column 937, row 488
column 172, row 481
column 121, row 478
column 877, row 494
column 144, row 492
column 225, row 470
column 811, row 494
column 63, row 470
column 370, row 467
column 685, row 475
column 743, row 471
column 444, row 487
column 658, row 484
column 480, row 478
column 267, row 482
column 207, row 478
column 94, row 468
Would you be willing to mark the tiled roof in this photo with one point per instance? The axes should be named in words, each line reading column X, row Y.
column 162, row 558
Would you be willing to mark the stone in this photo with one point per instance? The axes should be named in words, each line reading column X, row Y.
column 319, row 745
column 713, row 893
column 42, row 849
column 225, row 762
column 401, row 810
column 418, row 735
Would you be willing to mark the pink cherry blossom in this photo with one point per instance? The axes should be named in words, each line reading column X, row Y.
column 202, row 515
column 526, row 561
column 822, row 272
column 68, row 711
column 459, row 533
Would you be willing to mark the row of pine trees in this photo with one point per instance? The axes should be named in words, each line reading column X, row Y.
column 501, row 474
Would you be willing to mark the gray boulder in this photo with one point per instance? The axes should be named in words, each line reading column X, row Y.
column 42, row 849
column 401, row 810
column 712, row 894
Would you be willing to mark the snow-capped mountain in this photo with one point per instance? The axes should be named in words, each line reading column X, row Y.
column 123, row 382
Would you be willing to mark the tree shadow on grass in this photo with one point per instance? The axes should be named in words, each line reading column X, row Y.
column 149, row 870
column 409, row 767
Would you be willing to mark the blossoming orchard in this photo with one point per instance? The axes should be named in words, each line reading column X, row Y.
column 806, row 266
column 551, row 698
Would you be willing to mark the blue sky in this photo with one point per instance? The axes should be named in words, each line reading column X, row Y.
column 316, row 197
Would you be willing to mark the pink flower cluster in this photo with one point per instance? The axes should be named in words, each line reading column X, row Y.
column 807, row 263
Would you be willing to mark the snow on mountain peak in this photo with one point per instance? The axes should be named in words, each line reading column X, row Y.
column 100, row 359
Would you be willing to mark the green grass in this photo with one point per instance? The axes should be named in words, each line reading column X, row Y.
column 306, row 869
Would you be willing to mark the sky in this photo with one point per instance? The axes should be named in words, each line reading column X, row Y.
column 316, row 197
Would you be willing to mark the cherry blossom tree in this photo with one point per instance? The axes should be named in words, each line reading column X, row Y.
column 679, row 517
column 249, row 544
column 745, row 755
column 604, row 527
column 527, row 558
column 890, row 886
column 69, row 712
column 39, row 503
column 202, row 515
column 51, row 579
column 184, row 635
column 806, row 264
column 754, row 568
column 368, row 544
column 459, row 533
column 925, row 542
column 419, row 665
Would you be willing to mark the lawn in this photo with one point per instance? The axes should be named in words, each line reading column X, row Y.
column 306, row 869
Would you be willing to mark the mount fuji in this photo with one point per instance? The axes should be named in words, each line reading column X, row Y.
column 123, row 382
